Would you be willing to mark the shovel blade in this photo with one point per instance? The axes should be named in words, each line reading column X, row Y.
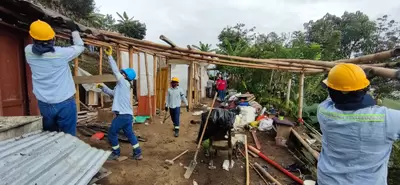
column 190, row 169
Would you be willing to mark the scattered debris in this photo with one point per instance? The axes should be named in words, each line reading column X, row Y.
column 100, row 175
column 226, row 166
column 122, row 158
column 197, row 113
column 194, row 182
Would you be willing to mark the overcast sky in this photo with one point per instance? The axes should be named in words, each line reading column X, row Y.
column 190, row 21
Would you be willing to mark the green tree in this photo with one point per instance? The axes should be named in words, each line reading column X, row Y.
column 101, row 21
column 129, row 27
column 204, row 47
column 80, row 9
column 341, row 37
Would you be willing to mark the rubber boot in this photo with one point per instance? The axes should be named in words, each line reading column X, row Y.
column 176, row 134
column 112, row 157
column 137, row 154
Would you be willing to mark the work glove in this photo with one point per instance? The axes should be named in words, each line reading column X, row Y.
column 166, row 109
column 187, row 109
column 72, row 26
column 99, row 86
column 108, row 51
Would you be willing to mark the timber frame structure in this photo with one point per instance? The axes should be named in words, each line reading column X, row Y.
column 19, row 14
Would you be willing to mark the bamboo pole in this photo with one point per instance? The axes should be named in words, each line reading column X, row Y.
column 288, row 91
column 314, row 153
column 131, row 66
column 142, row 43
column 247, row 161
column 270, row 79
column 77, row 100
column 154, row 83
column 100, row 73
column 301, row 95
column 165, row 39
column 372, row 57
column 148, row 85
column 242, row 64
column 266, row 174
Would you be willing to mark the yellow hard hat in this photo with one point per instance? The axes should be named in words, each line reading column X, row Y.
column 347, row 77
column 42, row 31
column 175, row 79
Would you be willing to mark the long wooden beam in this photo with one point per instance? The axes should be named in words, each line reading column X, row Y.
column 94, row 79
column 165, row 47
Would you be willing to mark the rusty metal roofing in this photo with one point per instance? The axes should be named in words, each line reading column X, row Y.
column 48, row 158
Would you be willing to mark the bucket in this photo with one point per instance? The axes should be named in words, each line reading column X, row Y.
column 309, row 182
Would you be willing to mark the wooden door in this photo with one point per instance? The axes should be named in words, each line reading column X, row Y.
column 12, row 73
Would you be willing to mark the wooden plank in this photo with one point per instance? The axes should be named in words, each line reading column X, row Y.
column 94, row 79
column 253, row 133
column 100, row 73
column 78, row 105
column 148, row 85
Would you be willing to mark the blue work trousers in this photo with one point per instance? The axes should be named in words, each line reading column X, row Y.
column 59, row 116
column 124, row 122
column 175, row 116
column 221, row 94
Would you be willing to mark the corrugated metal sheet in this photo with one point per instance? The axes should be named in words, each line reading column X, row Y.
column 48, row 158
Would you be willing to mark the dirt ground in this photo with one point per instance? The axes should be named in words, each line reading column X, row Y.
column 162, row 145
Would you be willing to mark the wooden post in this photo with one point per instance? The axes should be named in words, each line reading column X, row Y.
column 77, row 101
column 148, row 85
column 301, row 95
column 190, row 85
column 100, row 73
column 160, row 85
column 154, row 82
column 138, row 78
column 118, row 57
column 195, row 83
column 289, row 86
column 131, row 66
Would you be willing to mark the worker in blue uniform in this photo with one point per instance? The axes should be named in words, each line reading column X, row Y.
column 52, row 81
column 122, row 108
column 357, row 134
column 175, row 96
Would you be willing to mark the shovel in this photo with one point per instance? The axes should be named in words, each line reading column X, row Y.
column 193, row 163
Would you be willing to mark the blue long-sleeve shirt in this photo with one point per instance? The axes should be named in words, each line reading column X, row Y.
column 356, row 145
column 121, row 92
column 51, row 75
column 174, row 97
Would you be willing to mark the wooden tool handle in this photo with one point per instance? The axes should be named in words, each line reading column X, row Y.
column 204, row 128
column 180, row 155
